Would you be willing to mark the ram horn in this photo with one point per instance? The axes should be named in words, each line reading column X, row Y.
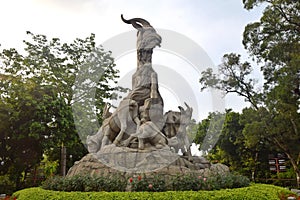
column 134, row 21
column 125, row 20
column 181, row 109
column 188, row 107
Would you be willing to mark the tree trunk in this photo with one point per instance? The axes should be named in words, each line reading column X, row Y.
column 292, row 160
column 253, row 174
column 63, row 160
column 296, row 162
column 296, row 169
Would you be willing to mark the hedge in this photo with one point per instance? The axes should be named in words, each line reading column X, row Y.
column 255, row 191
column 145, row 183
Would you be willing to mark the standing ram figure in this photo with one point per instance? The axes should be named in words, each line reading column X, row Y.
column 125, row 120
column 175, row 126
column 144, row 80
column 122, row 121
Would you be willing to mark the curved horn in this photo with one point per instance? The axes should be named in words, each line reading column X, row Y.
column 188, row 107
column 142, row 21
column 181, row 109
column 134, row 21
column 125, row 20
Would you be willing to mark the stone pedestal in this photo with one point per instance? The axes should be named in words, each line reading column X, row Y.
column 89, row 164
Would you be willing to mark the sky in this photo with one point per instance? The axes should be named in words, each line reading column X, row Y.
column 215, row 25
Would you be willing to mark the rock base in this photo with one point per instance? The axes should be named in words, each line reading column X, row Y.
column 91, row 165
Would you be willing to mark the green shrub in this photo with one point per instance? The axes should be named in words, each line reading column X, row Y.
column 148, row 183
column 86, row 183
column 153, row 183
column 227, row 180
column 189, row 182
column 114, row 182
column 195, row 182
column 7, row 186
column 253, row 192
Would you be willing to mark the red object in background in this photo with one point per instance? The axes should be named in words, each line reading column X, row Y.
column 9, row 197
column 150, row 186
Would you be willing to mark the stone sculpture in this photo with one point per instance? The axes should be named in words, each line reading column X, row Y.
column 114, row 126
column 144, row 93
column 175, row 126
column 138, row 136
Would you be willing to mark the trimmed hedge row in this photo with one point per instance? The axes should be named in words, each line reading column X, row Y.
column 86, row 183
column 255, row 191
column 149, row 183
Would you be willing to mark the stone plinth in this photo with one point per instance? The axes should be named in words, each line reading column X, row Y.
column 89, row 164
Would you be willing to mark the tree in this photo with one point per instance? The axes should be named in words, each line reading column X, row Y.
column 232, row 148
column 22, row 146
column 209, row 131
column 233, row 77
column 38, row 90
column 274, row 42
column 275, row 37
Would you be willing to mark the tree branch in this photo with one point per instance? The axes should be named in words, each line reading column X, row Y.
column 289, row 20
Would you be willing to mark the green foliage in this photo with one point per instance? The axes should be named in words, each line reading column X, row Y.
column 114, row 182
column 253, row 192
column 6, row 185
column 201, row 130
column 219, row 181
column 154, row 183
column 150, row 183
column 230, row 148
column 39, row 92
column 272, row 122
column 283, row 179
column 209, row 131
column 86, row 183
column 189, row 182
column 234, row 76
column 227, row 181
column 276, row 36
column 49, row 167
column 250, row 4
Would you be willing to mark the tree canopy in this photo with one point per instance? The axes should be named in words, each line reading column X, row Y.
column 38, row 89
column 273, row 120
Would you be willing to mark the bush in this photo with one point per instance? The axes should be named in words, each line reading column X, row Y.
column 53, row 183
column 6, row 185
column 148, row 183
column 253, row 192
column 114, row 183
column 189, row 182
column 228, row 181
column 151, row 183
column 86, row 183
column 195, row 182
